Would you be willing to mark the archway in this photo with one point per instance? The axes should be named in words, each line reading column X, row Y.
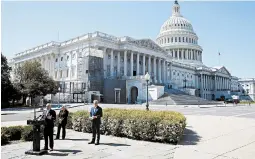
column 134, row 94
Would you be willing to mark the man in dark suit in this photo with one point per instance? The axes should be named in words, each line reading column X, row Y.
column 49, row 117
column 96, row 113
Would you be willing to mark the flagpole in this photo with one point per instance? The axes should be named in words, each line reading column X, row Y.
column 219, row 58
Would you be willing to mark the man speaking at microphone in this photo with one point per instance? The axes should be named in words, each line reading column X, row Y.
column 49, row 117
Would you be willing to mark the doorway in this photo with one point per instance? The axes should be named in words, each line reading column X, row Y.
column 134, row 94
column 117, row 96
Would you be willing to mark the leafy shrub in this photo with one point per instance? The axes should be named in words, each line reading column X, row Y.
column 13, row 132
column 162, row 126
column 4, row 139
column 27, row 133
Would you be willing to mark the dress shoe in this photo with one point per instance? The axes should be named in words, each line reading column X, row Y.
column 91, row 142
column 45, row 148
column 97, row 143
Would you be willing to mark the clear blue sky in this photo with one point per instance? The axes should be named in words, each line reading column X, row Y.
column 228, row 27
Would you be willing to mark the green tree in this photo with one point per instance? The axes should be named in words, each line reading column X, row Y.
column 31, row 79
column 6, row 85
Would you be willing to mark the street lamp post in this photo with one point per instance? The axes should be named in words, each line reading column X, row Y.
column 84, row 96
column 147, row 78
column 185, row 80
column 58, row 95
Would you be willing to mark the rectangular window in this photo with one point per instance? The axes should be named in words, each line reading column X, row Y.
column 56, row 74
column 67, row 72
column 67, row 57
column 61, row 58
column 61, row 74
column 56, row 59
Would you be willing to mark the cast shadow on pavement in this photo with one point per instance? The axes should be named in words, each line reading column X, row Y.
column 114, row 144
column 189, row 137
column 62, row 152
column 77, row 139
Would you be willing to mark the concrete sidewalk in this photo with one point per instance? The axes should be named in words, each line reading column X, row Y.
column 206, row 137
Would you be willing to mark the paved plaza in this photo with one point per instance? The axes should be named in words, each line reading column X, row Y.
column 206, row 137
column 229, row 110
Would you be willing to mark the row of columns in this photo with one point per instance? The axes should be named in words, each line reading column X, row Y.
column 156, row 66
column 220, row 83
column 187, row 54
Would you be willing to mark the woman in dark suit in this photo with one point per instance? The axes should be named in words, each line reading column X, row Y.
column 62, row 121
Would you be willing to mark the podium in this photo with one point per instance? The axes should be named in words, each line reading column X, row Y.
column 36, row 137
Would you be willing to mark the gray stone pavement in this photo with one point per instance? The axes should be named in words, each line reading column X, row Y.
column 205, row 137
column 229, row 110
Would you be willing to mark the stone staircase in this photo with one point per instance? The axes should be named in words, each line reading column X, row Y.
column 177, row 97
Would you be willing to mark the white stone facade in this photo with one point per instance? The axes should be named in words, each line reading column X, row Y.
column 247, row 87
column 175, row 58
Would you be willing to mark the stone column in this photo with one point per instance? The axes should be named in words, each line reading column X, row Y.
column 112, row 67
column 125, row 63
column 70, row 68
column 165, row 71
column 105, row 61
column 160, row 72
column 118, row 67
column 183, row 54
column 178, row 54
column 202, row 86
column 149, row 64
column 155, row 70
column 144, row 64
column 137, row 64
column 131, row 63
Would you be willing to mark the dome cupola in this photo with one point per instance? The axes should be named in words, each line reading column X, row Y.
column 178, row 37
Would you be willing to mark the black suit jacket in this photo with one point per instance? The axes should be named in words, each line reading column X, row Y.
column 98, row 111
column 50, row 122
column 63, row 117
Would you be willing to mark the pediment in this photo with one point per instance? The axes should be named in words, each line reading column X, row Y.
column 148, row 43
column 223, row 70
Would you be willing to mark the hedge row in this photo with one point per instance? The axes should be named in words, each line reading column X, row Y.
column 161, row 126
column 11, row 133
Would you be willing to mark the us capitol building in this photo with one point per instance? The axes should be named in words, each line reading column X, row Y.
column 101, row 66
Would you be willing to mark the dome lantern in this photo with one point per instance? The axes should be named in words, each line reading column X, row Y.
column 176, row 9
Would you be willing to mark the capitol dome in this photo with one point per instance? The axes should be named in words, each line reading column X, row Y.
column 178, row 38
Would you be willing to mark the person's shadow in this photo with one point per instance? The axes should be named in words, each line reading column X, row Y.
column 62, row 152
column 77, row 139
column 114, row 144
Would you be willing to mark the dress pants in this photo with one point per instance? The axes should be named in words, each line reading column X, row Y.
column 63, row 126
column 95, row 131
column 48, row 133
